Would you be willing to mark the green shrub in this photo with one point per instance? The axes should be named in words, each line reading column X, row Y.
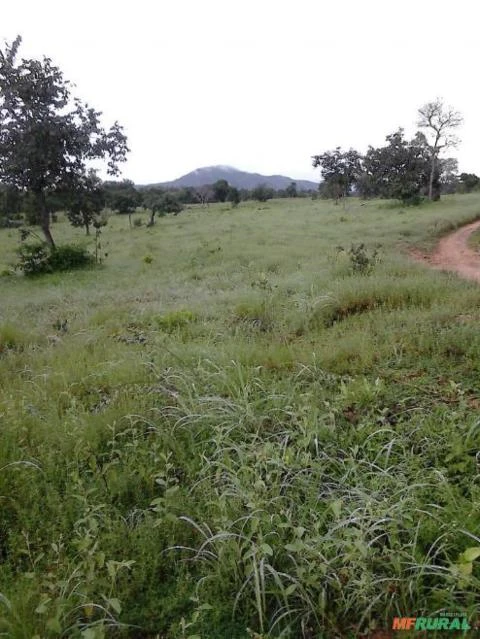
column 361, row 260
column 175, row 319
column 69, row 256
column 39, row 258
column 33, row 259
column 11, row 338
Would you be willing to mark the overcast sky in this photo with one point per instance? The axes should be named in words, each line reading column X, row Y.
column 258, row 84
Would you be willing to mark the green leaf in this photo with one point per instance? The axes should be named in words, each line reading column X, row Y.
column 290, row 590
column 465, row 568
column 115, row 604
column 42, row 608
column 336, row 507
column 297, row 546
column 54, row 625
column 266, row 549
column 470, row 554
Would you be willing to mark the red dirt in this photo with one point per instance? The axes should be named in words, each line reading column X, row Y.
column 454, row 254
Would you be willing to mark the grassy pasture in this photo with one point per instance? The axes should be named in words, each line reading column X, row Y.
column 234, row 435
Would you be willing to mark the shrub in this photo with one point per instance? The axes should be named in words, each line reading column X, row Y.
column 68, row 257
column 38, row 258
column 33, row 259
column 11, row 338
column 137, row 222
column 361, row 261
column 175, row 319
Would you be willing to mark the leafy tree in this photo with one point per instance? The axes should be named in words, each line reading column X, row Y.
column 234, row 196
column 220, row 190
column 85, row 201
column 439, row 122
column 151, row 195
column 163, row 203
column 187, row 195
column 10, row 205
column 46, row 138
column 397, row 170
column 122, row 197
column 340, row 171
column 469, row 182
column 291, row 190
column 262, row 193
column 448, row 170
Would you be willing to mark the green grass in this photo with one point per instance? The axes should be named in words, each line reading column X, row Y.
column 234, row 434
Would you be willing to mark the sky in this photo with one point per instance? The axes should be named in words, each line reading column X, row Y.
column 261, row 85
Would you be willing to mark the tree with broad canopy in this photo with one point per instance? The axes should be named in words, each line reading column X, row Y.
column 47, row 138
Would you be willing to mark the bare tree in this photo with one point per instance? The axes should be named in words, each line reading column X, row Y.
column 440, row 121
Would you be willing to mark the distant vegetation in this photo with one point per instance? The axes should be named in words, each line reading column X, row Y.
column 403, row 169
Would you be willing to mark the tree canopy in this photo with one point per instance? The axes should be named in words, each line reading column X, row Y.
column 48, row 138
column 401, row 169
column 339, row 169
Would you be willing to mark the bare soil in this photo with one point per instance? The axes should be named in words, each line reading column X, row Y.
column 454, row 254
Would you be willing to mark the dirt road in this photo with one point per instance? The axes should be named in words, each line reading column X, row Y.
column 454, row 254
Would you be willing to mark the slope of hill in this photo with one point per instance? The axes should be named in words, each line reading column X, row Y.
column 235, row 177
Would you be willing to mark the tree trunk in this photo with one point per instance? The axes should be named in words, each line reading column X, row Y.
column 87, row 229
column 44, row 218
column 152, row 219
column 432, row 173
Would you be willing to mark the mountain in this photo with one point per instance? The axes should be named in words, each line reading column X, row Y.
column 235, row 177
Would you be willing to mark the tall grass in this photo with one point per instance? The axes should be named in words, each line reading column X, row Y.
column 243, row 437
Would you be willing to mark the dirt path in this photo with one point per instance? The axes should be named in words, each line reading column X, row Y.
column 454, row 254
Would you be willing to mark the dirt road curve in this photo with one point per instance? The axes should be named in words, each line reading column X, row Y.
column 454, row 254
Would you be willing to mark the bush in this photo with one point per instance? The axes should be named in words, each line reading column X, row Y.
column 361, row 261
column 175, row 319
column 68, row 257
column 39, row 258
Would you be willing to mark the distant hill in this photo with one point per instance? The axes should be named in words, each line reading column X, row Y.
column 235, row 177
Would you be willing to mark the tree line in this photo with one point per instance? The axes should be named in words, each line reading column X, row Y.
column 84, row 202
column 49, row 139
column 401, row 169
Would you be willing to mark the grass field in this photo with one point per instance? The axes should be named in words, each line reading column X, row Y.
column 237, row 434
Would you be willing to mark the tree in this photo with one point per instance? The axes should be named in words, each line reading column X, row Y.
column 439, row 122
column 85, row 201
column 397, row 170
column 162, row 203
column 10, row 205
column 220, row 190
column 122, row 197
column 47, row 138
column 469, row 182
column 204, row 194
column 291, row 190
column 186, row 195
column 262, row 193
column 234, row 196
column 340, row 171
column 448, row 170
